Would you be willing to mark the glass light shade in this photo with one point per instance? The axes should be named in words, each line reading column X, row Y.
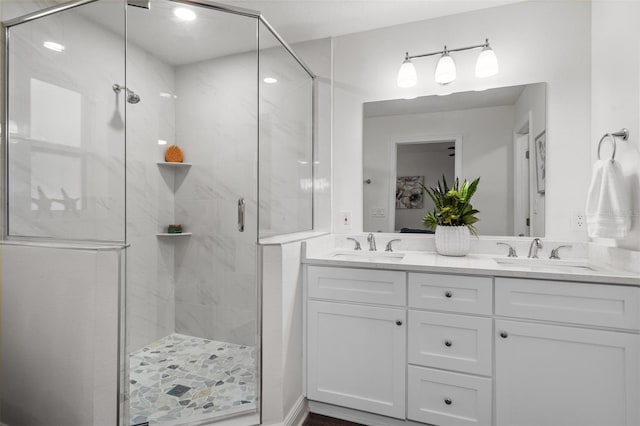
column 407, row 75
column 445, row 70
column 487, row 64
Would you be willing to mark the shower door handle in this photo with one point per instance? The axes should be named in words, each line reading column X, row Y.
column 241, row 214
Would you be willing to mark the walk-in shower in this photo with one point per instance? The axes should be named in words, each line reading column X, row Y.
column 88, row 124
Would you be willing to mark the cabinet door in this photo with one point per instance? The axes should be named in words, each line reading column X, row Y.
column 356, row 357
column 548, row 375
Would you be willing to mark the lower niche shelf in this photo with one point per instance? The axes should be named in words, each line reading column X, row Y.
column 180, row 234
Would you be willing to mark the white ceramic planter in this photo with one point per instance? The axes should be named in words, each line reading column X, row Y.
column 453, row 240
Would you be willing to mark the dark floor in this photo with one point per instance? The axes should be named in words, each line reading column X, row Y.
column 318, row 420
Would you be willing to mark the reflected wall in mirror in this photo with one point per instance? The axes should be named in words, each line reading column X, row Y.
column 488, row 134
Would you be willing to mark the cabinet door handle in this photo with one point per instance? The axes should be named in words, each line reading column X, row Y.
column 241, row 207
column 448, row 401
column 448, row 343
column 398, row 322
column 504, row 334
column 448, row 294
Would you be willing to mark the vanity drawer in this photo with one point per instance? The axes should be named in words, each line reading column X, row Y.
column 357, row 285
column 448, row 399
column 578, row 303
column 454, row 293
column 452, row 342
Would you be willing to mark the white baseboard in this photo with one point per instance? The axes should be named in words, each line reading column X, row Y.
column 298, row 413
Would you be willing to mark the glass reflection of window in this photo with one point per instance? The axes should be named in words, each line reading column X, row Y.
column 56, row 114
column 56, row 171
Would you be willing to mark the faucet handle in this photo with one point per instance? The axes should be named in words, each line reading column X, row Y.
column 554, row 253
column 357, row 247
column 512, row 250
column 389, row 248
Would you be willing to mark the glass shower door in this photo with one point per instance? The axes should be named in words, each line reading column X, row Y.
column 192, row 296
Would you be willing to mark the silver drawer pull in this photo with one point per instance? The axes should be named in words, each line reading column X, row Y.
column 448, row 294
column 448, row 401
column 448, row 343
column 241, row 214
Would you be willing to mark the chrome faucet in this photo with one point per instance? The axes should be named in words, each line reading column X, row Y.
column 372, row 242
column 536, row 244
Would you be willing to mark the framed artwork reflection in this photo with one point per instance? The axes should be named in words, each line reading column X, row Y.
column 541, row 153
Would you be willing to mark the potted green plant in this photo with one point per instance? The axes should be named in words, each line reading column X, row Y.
column 453, row 216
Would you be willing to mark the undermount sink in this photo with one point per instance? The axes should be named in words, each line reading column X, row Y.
column 369, row 256
column 553, row 265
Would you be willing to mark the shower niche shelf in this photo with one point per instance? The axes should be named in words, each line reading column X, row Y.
column 166, row 234
column 173, row 165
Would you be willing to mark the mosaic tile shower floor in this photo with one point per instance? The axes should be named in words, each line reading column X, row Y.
column 179, row 378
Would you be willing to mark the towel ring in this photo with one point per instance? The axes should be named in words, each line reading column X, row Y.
column 624, row 134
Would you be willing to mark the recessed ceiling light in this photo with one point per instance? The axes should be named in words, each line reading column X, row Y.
column 52, row 45
column 270, row 80
column 184, row 13
column 162, row 142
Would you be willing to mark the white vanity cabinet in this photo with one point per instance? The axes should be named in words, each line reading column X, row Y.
column 356, row 353
column 582, row 374
column 460, row 350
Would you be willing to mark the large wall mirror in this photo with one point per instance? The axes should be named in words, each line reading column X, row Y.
column 496, row 134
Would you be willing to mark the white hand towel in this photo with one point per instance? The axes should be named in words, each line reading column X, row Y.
column 608, row 202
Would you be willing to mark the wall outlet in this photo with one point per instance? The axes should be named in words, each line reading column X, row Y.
column 345, row 219
column 579, row 221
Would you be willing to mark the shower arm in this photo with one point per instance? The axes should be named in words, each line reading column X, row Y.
column 117, row 88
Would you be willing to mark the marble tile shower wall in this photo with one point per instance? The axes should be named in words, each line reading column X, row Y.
column 286, row 157
column 215, row 269
column 67, row 132
column 150, row 199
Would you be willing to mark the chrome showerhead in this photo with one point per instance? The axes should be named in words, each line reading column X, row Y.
column 132, row 97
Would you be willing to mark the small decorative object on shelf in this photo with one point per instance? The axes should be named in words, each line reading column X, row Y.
column 173, row 154
column 453, row 216
column 174, row 229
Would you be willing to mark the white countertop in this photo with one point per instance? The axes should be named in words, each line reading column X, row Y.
column 479, row 264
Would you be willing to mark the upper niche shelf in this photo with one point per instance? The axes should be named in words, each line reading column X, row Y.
column 169, row 164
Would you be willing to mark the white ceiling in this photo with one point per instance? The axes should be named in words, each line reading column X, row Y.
column 299, row 20
column 214, row 34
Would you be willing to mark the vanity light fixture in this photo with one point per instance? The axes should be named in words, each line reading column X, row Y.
column 52, row 45
column 486, row 66
column 270, row 80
